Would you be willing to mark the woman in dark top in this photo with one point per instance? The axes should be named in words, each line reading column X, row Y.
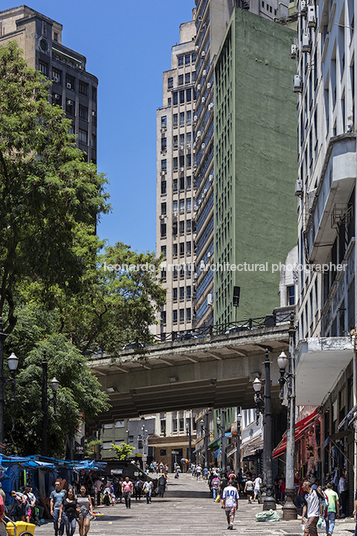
column 69, row 511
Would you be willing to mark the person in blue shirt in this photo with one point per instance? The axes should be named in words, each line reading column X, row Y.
column 56, row 500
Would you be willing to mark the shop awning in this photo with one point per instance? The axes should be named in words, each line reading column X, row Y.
column 300, row 429
column 250, row 447
column 197, row 450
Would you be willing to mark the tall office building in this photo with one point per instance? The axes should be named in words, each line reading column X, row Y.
column 174, row 192
column 212, row 20
column 73, row 88
column 326, row 191
column 255, row 164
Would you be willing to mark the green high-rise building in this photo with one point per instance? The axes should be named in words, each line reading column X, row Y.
column 255, row 164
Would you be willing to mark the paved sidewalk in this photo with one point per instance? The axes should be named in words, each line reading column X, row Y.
column 186, row 510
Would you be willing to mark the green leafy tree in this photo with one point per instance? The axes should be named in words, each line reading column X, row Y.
column 118, row 303
column 79, row 396
column 50, row 197
column 123, row 451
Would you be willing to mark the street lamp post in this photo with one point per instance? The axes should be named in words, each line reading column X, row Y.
column 269, row 501
column 12, row 362
column 189, row 433
column 289, row 508
column 222, row 430
column 239, row 417
column 44, row 400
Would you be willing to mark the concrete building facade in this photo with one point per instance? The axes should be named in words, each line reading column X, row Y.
column 212, row 20
column 73, row 88
column 175, row 190
column 255, row 164
column 326, row 188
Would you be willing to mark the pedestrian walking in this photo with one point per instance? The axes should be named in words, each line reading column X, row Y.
column 311, row 509
column 138, row 484
column 333, row 508
column 69, row 512
column 162, row 485
column 147, row 489
column 257, row 485
column 215, row 486
column 85, row 511
column 230, row 503
column 343, row 490
column 56, row 499
column 249, row 489
column 127, row 490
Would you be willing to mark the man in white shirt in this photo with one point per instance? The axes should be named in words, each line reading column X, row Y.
column 311, row 508
column 230, row 503
column 257, row 484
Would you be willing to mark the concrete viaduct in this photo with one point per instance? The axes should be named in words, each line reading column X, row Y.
column 212, row 371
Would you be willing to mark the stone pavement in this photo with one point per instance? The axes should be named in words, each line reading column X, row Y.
column 188, row 510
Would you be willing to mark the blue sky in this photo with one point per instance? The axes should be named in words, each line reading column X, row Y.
column 128, row 46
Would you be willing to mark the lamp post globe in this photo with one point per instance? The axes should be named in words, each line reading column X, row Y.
column 12, row 362
column 283, row 361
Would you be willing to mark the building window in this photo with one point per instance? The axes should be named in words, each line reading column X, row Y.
column 174, row 316
column 188, row 315
column 182, row 249
column 55, row 36
column 188, row 289
column 70, row 106
column 182, row 315
column 182, row 227
column 163, row 144
column 188, row 160
column 188, row 248
column 193, row 76
column 188, row 205
column 182, row 293
column 163, row 230
column 119, row 424
column 169, row 102
column 163, row 121
column 188, row 95
column 174, row 250
column 188, row 183
column 194, row 56
column 163, row 187
column 188, row 226
column 163, row 431
column 70, row 82
column 291, row 295
column 187, row 59
column 180, row 61
column 83, row 112
column 182, row 119
column 43, row 67
column 175, row 120
column 170, row 83
column 174, row 142
column 174, row 294
column 182, row 206
column 182, row 97
column 175, row 279
column 188, row 138
column 182, row 272
column 163, row 317
column 188, row 117
column 163, row 252
column 163, row 209
column 162, row 452
column 180, row 80
column 107, row 445
column 182, row 183
column 175, row 163
column 175, row 99
column 57, row 76
column 163, row 275
column 187, row 78
column 182, row 424
column 83, row 136
column 83, row 88
column 174, row 186
column 163, row 165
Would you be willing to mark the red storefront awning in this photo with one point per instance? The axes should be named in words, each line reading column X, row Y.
column 300, row 429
